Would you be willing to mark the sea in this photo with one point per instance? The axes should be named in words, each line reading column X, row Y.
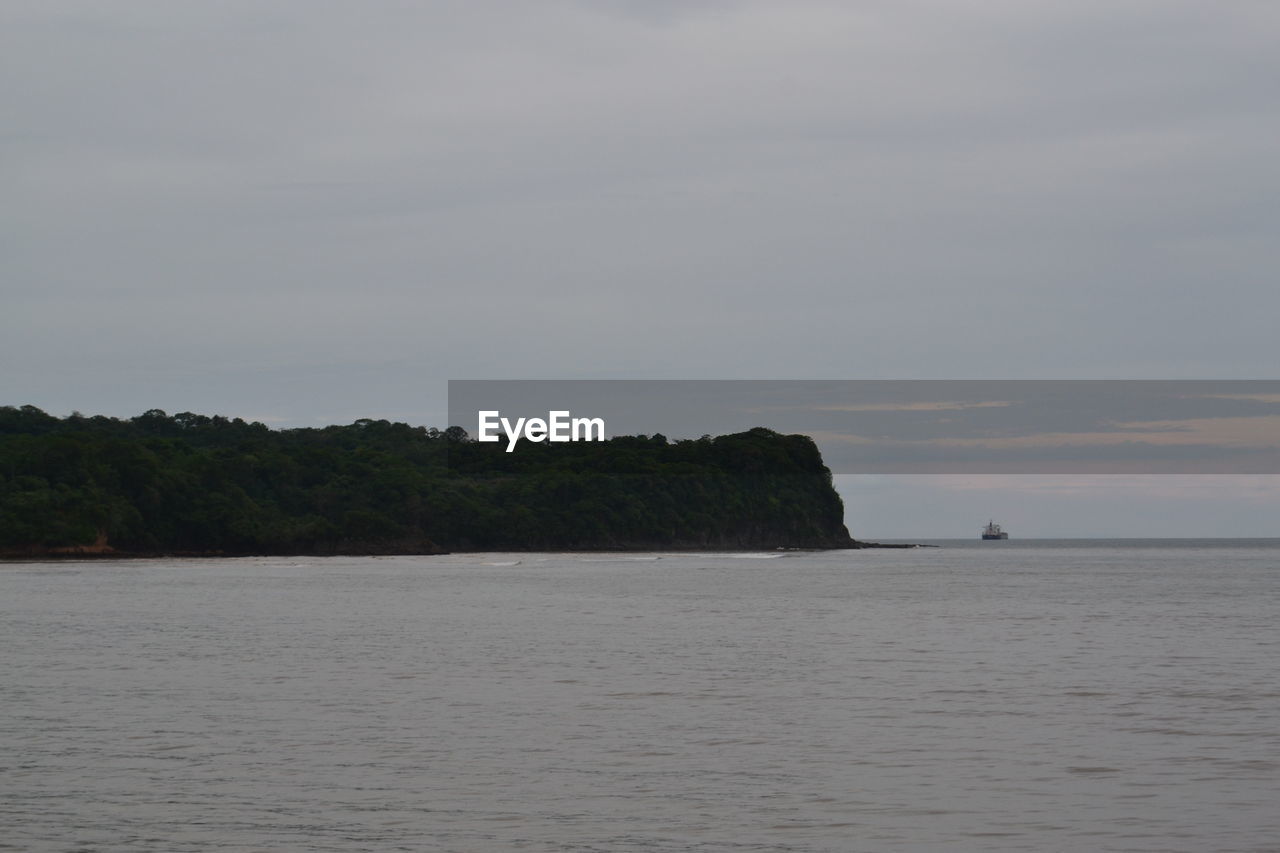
column 1074, row 695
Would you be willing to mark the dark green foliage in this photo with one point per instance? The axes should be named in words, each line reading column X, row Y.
column 191, row 483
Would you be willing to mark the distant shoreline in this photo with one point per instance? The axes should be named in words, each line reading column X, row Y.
column 60, row 555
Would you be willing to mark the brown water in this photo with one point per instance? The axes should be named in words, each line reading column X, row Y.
column 1017, row 697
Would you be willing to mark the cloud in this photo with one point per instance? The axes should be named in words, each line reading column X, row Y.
column 580, row 189
column 1272, row 399
column 922, row 406
column 1257, row 488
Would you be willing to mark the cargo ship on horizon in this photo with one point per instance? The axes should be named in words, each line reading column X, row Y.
column 993, row 531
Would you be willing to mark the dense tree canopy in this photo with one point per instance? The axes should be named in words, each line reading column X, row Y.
column 160, row 483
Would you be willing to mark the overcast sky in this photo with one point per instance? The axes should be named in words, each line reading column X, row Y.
column 307, row 212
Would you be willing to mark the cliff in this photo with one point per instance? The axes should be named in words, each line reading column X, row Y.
column 193, row 484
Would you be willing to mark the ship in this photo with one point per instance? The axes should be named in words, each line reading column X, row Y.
column 993, row 531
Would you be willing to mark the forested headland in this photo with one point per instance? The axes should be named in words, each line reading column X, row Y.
column 195, row 484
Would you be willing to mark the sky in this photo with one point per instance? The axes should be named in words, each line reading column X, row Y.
column 306, row 212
